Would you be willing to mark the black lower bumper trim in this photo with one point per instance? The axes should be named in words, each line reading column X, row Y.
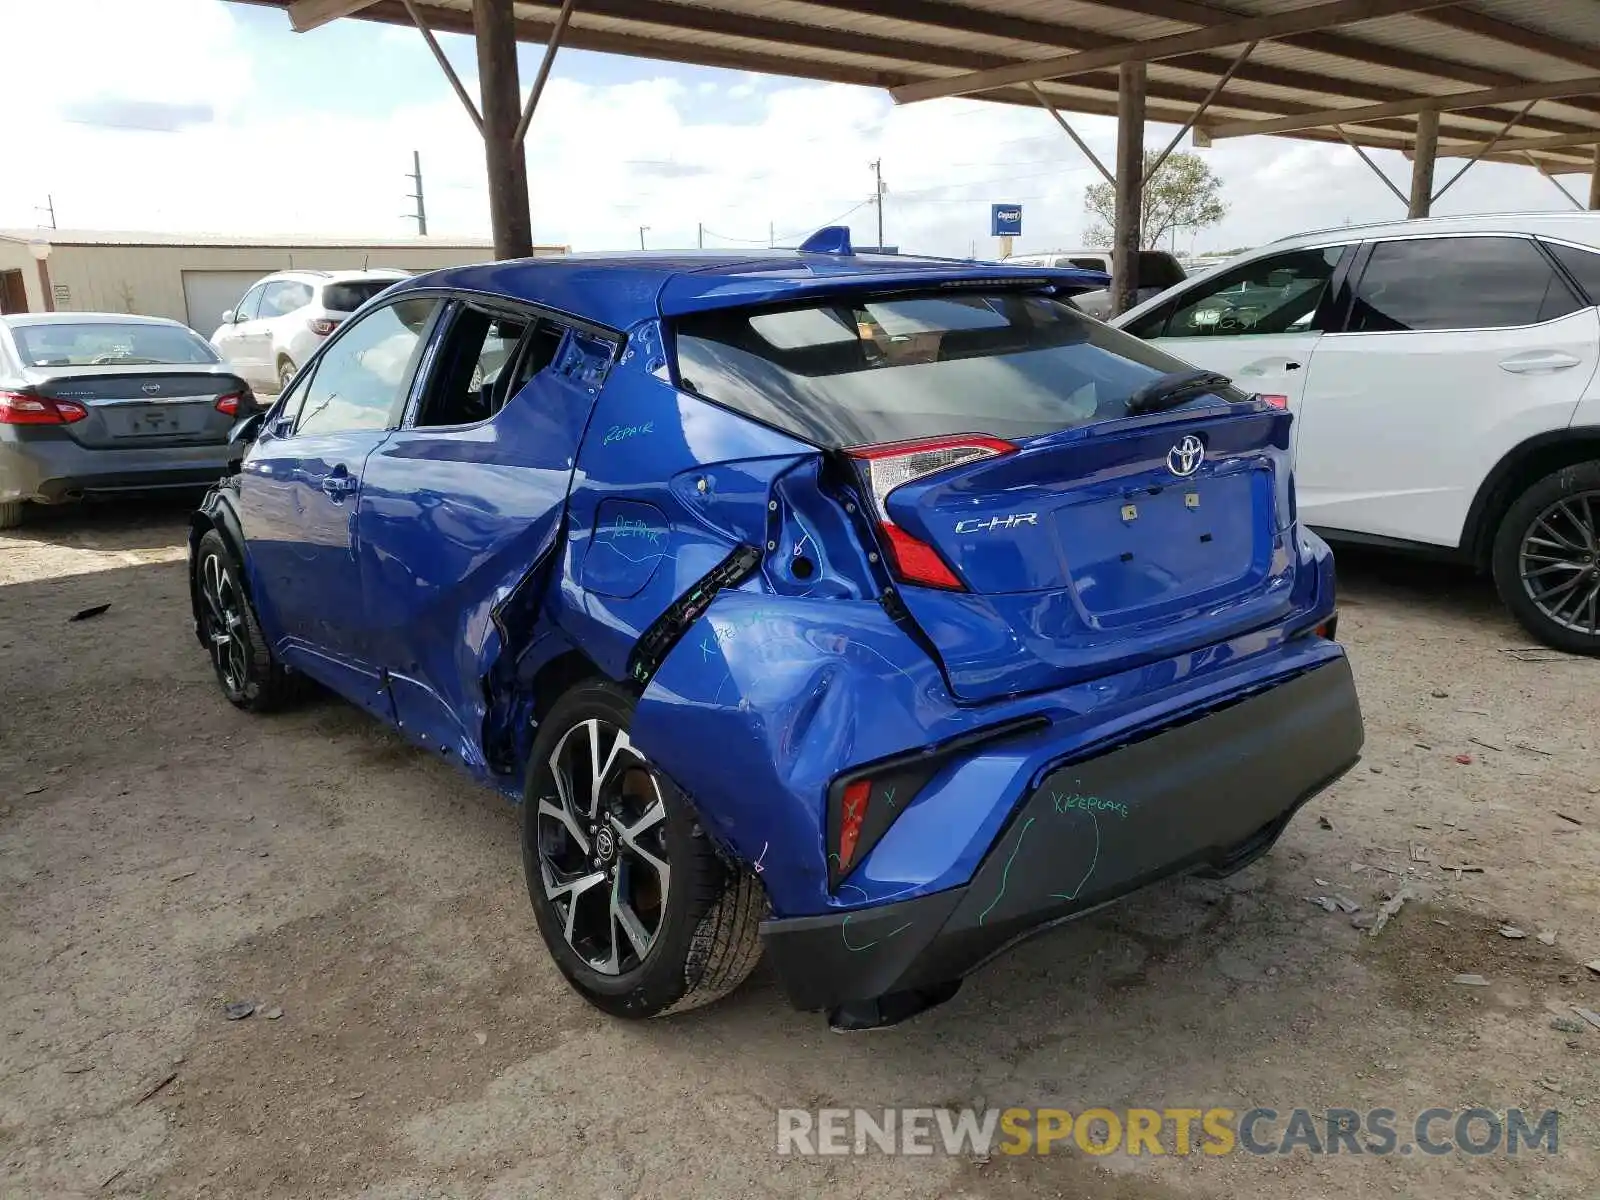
column 1209, row 795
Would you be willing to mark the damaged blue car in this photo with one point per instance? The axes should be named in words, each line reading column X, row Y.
column 871, row 612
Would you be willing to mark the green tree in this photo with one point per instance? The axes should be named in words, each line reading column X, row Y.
column 1182, row 194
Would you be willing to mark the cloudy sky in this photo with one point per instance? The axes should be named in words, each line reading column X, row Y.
column 196, row 115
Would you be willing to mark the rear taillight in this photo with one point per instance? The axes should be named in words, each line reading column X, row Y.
column 856, row 796
column 889, row 466
column 1275, row 400
column 18, row 408
column 323, row 326
column 229, row 405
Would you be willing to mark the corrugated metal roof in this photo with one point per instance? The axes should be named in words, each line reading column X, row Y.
column 110, row 237
column 1407, row 52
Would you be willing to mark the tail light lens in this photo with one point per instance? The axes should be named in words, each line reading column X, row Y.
column 229, row 405
column 1275, row 400
column 323, row 326
column 889, row 466
column 19, row 408
column 856, row 796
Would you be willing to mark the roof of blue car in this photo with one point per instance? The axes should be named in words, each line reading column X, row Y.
column 620, row 290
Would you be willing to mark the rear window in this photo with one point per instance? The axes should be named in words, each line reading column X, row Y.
column 351, row 295
column 859, row 371
column 69, row 344
column 1158, row 269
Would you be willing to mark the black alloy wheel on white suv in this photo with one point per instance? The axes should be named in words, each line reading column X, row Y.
column 1546, row 558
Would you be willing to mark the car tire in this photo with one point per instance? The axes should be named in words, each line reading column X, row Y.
column 693, row 936
column 11, row 514
column 247, row 671
column 1546, row 559
column 286, row 372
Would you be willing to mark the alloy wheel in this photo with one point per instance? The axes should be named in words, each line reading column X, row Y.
column 1559, row 561
column 601, row 839
column 224, row 623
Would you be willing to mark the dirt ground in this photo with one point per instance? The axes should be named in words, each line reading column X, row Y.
column 162, row 854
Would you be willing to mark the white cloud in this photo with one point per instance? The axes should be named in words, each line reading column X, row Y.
column 602, row 160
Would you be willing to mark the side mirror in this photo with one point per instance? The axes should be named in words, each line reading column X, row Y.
column 228, row 317
column 244, row 432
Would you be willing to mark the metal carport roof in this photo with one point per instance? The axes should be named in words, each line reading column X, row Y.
column 1334, row 65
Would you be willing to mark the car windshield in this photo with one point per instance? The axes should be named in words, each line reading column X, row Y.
column 352, row 294
column 106, row 343
column 861, row 371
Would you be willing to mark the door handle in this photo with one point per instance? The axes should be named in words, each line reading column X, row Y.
column 338, row 485
column 1538, row 360
column 1265, row 366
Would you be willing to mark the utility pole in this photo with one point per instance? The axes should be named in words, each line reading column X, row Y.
column 49, row 206
column 421, row 215
column 642, row 228
column 772, row 237
column 700, row 234
column 877, row 196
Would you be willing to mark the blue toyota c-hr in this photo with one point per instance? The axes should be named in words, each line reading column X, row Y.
column 871, row 611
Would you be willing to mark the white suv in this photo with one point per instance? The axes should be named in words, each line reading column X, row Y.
column 1442, row 374
column 283, row 318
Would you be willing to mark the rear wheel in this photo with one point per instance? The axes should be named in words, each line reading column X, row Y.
column 11, row 514
column 1547, row 559
column 636, row 907
column 249, row 675
column 286, row 370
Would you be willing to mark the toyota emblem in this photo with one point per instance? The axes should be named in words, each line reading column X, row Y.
column 1184, row 459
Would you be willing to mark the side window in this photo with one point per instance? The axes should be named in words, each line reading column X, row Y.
column 247, row 308
column 361, row 379
column 477, row 369
column 1457, row 283
column 1086, row 264
column 1276, row 294
column 1584, row 266
column 584, row 358
column 284, row 297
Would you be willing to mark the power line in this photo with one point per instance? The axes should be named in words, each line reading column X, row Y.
column 785, row 237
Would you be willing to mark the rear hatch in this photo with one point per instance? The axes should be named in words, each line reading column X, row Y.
column 122, row 407
column 1093, row 549
column 1055, row 502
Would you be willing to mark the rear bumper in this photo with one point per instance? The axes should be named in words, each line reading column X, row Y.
column 51, row 470
column 1209, row 794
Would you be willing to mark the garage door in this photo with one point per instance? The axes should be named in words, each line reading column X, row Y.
column 209, row 294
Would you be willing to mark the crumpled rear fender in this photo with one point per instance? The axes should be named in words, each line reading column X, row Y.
column 764, row 700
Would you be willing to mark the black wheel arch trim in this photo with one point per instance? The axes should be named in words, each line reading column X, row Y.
column 1492, row 498
column 217, row 513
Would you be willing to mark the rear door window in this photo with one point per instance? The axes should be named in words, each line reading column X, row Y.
column 284, row 297
column 1458, row 283
column 859, row 371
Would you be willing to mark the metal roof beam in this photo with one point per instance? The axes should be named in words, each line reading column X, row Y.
column 1526, row 145
column 306, row 15
column 1459, row 100
column 1304, row 20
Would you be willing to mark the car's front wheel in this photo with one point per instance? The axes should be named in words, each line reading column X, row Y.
column 250, row 675
column 639, row 911
column 1546, row 559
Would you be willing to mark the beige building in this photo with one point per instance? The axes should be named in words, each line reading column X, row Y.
column 190, row 278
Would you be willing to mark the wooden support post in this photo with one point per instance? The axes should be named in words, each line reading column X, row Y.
column 1126, row 237
column 1594, row 181
column 1422, row 164
column 495, row 24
